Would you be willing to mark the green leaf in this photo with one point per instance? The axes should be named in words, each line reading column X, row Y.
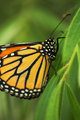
column 78, row 63
column 52, row 112
column 75, row 107
column 71, row 78
column 72, row 37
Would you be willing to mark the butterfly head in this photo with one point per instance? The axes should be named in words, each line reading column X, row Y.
column 50, row 48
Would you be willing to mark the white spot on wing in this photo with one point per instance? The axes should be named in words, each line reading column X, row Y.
column 4, row 57
column 11, row 92
column 23, row 48
column 3, row 49
column 21, row 95
column 12, row 54
column 26, row 90
column 16, row 94
column 6, row 90
column 22, row 91
column 26, row 94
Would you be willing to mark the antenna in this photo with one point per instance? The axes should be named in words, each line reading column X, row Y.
column 64, row 17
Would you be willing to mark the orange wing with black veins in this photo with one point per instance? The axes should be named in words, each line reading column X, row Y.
column 23, row 70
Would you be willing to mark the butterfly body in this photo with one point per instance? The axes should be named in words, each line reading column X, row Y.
column 24, row 67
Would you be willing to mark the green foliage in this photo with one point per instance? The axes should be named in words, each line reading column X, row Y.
column 74, row 104
column 56, row 107
column 34, row 22
column 72, row 37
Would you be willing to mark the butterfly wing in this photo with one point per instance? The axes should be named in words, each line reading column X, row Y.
column 23, row 70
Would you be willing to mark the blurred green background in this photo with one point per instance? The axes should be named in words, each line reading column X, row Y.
column 28, row 21
column 31, row 20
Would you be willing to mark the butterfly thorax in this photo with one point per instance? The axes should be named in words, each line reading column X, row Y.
column 49, row 48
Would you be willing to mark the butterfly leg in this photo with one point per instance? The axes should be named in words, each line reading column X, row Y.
column 58, row 43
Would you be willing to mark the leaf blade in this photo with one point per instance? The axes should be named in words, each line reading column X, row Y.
column 75, row 107
column 72, row 37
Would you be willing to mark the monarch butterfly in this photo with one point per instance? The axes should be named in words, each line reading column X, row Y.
column 24, row 67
